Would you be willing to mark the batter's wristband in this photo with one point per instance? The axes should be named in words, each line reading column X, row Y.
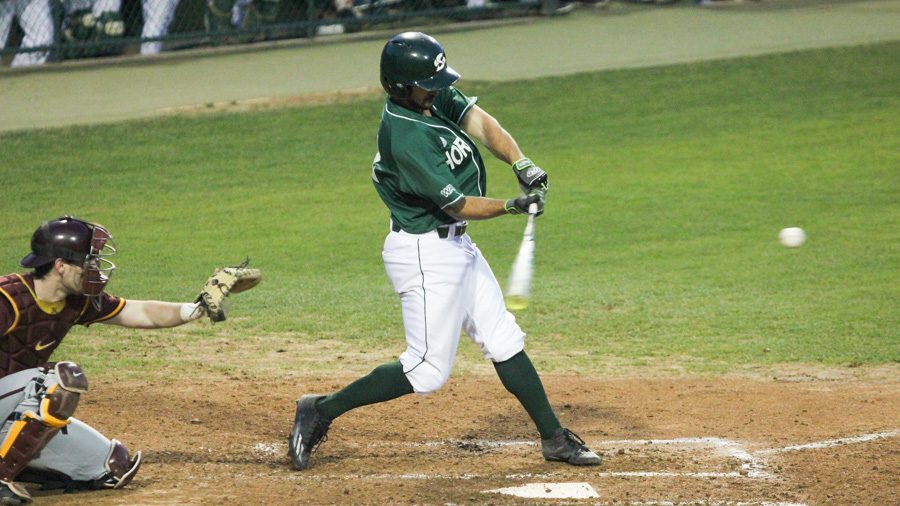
column 522, row 163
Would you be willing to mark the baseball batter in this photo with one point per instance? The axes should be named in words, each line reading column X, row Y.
column 40, row 440
column 430, row 175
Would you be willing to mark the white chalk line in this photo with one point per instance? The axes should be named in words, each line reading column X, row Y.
column 701, row 502
column 753, row 465
column 828, row 443
column 567, row 490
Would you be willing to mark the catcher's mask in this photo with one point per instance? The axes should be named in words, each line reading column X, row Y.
column 414, row 59
column 77, row 242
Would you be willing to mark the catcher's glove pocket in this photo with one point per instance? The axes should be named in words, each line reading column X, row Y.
column 224, row 282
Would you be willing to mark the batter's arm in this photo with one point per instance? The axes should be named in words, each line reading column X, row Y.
column 488, row 131
column 150, row 314
column 476, row 208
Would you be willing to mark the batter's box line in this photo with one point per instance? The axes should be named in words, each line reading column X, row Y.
column 828, row 443
column 753, row 465
column 702, row 502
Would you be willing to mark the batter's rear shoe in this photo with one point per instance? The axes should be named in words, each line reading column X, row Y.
column 11, row 493
column 310, row 430
column 566, row 446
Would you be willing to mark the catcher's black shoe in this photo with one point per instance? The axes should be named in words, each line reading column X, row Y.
column 310, row 430
column 566, row 446
column 13, row 494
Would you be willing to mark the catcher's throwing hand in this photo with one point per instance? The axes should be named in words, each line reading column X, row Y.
column 224, row 282
column 520, row 205
column 531, row 177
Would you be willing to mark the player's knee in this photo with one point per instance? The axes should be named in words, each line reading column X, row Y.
column 61, row 399
column 431, row 383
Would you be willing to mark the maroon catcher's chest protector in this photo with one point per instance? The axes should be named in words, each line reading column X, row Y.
column 35, row 334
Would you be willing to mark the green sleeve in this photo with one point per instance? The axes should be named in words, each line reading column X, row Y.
column 453, row 104
column 424, row 171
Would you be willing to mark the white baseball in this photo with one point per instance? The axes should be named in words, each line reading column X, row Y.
column 792, row 237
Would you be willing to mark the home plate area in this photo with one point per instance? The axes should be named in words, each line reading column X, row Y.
column 697, row 471
column 707, row 459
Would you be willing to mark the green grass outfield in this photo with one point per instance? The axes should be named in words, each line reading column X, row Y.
column 658, row 247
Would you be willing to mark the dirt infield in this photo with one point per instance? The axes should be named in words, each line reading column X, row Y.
column 789, row 440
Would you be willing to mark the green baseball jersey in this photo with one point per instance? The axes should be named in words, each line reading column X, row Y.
column 426, row 163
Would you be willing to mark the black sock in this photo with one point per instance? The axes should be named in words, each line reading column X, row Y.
column 384, row 383
column 520, row 378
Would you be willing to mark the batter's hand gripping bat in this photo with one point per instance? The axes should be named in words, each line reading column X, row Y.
column 523, row 267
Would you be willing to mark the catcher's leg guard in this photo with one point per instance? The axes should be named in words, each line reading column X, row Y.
column 25, row 440
column 61, row 399
column 31, row 431
column 120, row 466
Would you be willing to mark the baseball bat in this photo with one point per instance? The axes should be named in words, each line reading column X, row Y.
column 523, row 267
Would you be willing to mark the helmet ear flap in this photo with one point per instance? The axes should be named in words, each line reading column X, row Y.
column 396, row 90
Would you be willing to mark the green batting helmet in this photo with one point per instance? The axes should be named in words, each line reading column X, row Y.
column 414, row 59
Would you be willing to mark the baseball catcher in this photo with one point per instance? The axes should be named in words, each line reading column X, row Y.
column 40, row 440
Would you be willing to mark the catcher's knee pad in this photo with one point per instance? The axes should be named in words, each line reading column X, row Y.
column 120, row 466
column 61, row 398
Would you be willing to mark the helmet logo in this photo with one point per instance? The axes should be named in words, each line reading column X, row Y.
column 440, row 61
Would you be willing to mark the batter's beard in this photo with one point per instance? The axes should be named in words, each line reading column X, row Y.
column 407, row 103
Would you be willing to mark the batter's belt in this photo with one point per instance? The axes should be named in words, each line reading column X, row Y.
column 443, row 231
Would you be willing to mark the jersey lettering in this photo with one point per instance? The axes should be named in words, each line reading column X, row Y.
column 448, row 190
column 457, row 153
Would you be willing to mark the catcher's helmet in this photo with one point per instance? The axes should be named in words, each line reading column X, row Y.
column 77, row 242
column 414, row 59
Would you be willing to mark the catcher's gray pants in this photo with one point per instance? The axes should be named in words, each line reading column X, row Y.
column 78, row 451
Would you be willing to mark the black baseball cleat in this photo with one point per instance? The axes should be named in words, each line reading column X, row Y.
column 13, row 494
column 309, row 431
column 566, row 446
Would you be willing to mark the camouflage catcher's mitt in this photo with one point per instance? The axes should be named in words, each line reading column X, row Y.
column 224, row 282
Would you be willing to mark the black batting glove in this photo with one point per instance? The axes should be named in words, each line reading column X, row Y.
column 531, row 177
column 520, row 205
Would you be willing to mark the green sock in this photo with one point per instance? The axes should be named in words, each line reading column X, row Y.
column 520, row 378
column 384, row 383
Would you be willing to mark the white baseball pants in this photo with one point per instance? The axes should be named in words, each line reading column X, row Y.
column 445, row 286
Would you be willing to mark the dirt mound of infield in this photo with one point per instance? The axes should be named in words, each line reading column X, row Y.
column 692, row 441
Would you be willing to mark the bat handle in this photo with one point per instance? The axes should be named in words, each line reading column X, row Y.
column 532, row 209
